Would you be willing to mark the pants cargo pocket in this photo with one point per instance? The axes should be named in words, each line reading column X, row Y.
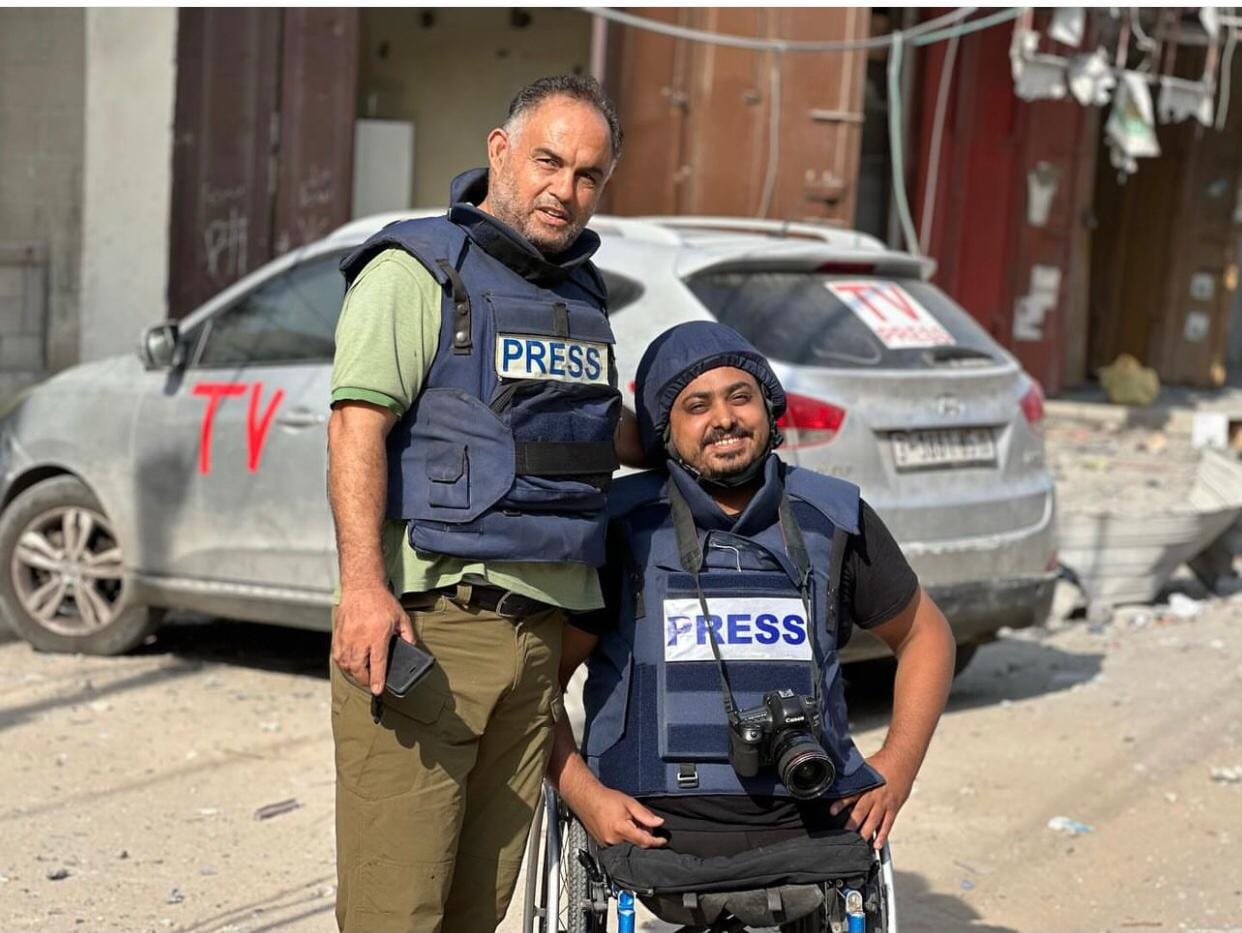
column 416, row 741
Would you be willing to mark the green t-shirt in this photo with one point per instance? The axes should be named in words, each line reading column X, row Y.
column 386, row 339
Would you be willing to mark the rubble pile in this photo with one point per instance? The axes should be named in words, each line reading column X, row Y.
column 1124, row 470
column 1135, row 504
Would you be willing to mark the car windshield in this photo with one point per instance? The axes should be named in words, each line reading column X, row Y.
column 819, row 319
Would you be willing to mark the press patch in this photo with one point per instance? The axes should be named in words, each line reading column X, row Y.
column 754, row 628
column 554, row 358
column 891, row 313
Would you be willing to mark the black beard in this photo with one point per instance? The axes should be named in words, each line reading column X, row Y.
column 729, row 472
column 731, row 468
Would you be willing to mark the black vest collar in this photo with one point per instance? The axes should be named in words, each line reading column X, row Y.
column 505, row 244
column 760, row 513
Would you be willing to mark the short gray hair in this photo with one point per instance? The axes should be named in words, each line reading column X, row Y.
column 586, row 90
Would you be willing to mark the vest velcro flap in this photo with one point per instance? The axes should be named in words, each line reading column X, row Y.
column 461, row 454
column 607, row 689
column 809, row 859
column 561, row 317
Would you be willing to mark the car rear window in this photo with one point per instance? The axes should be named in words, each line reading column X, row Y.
column 820, row 319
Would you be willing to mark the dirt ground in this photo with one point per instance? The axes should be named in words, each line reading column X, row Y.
column 132, row 784
column 137, row 790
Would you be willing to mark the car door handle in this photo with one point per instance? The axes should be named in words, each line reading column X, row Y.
column 301, row 418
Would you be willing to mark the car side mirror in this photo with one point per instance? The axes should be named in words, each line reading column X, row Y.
column 160, row 347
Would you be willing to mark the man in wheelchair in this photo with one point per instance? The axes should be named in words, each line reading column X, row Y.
column 717, row 774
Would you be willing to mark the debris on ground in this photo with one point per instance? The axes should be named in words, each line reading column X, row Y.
column 58, row 874
column 1063, row 824
column 278, row 808
column 1227, row 775
column 1184, row 607
column 1124, row 530
column 1129, row 382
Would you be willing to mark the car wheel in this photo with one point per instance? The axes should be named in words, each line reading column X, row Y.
column 62, row 581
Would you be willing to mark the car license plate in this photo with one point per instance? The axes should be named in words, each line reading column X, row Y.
column 918, row 450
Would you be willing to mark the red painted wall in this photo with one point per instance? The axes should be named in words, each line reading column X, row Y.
column 981, row 236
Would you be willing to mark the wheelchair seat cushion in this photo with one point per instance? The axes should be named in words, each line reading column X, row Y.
column 806, row 859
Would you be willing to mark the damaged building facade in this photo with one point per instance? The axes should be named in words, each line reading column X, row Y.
column 1074, row 175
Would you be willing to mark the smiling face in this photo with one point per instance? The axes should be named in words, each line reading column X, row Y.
column 548, row 170
column 719, row 423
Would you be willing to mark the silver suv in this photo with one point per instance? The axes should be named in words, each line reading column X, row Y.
column 191, row 475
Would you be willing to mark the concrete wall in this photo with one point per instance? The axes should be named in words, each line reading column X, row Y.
column 130, row 88
column 41, row 156
column 452, row 72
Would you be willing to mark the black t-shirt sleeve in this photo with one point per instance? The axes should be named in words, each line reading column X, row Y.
column 877, row 581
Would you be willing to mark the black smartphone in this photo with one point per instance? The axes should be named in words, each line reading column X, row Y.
column 407, row 663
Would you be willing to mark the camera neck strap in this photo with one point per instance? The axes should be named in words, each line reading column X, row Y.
column 795, row 547
column 691, row 555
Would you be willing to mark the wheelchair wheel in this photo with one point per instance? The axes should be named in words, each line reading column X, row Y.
column 879, row 900
column 579, row 908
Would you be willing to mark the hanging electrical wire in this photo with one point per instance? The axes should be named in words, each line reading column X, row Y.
column 933, row 156
column 1226, row 74
column 897, row 143
column 920, row 38
column 776, row 45
column 774, row 134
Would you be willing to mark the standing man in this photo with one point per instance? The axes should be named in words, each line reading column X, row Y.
column 475, row 414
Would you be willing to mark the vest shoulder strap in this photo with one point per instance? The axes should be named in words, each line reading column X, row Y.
column 589, row 278
column 433, row 241
column 836, row 499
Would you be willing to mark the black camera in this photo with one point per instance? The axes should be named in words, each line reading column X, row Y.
column 781, row 732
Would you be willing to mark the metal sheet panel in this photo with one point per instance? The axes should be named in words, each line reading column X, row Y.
column 319, row 74
column 647, row 78
column 699, row 117
column 222, row 149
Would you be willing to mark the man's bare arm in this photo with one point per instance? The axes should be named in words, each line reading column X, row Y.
column 608, row 815
column 921, row 639
column 357, row 488
column 627, row 441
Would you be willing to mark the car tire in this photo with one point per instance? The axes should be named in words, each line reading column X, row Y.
column 63, row 587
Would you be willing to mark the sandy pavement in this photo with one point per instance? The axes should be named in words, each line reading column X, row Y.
column 131, row 784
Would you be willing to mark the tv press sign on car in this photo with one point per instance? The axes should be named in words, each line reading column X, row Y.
column 552, row 358
column 892, row 314
column 752, row 628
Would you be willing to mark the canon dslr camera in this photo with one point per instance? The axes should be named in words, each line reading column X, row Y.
column 781, row 732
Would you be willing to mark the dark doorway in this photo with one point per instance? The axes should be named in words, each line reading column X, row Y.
column 262, row 140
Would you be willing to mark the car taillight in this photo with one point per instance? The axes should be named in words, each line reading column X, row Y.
column 1033, row 405
column 809, row 421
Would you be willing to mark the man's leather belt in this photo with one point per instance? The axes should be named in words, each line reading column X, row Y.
column 504, row 603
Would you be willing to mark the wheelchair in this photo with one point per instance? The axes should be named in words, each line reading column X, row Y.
column 568, row 890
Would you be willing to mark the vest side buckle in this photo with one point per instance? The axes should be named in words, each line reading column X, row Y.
column 687, row 775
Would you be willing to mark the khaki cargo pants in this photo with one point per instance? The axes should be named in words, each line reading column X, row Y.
column 433, row 805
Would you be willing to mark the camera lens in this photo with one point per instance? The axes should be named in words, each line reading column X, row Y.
column 804, row 767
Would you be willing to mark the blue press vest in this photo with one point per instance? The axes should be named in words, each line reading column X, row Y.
column 649, row 712
column 507, row 452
